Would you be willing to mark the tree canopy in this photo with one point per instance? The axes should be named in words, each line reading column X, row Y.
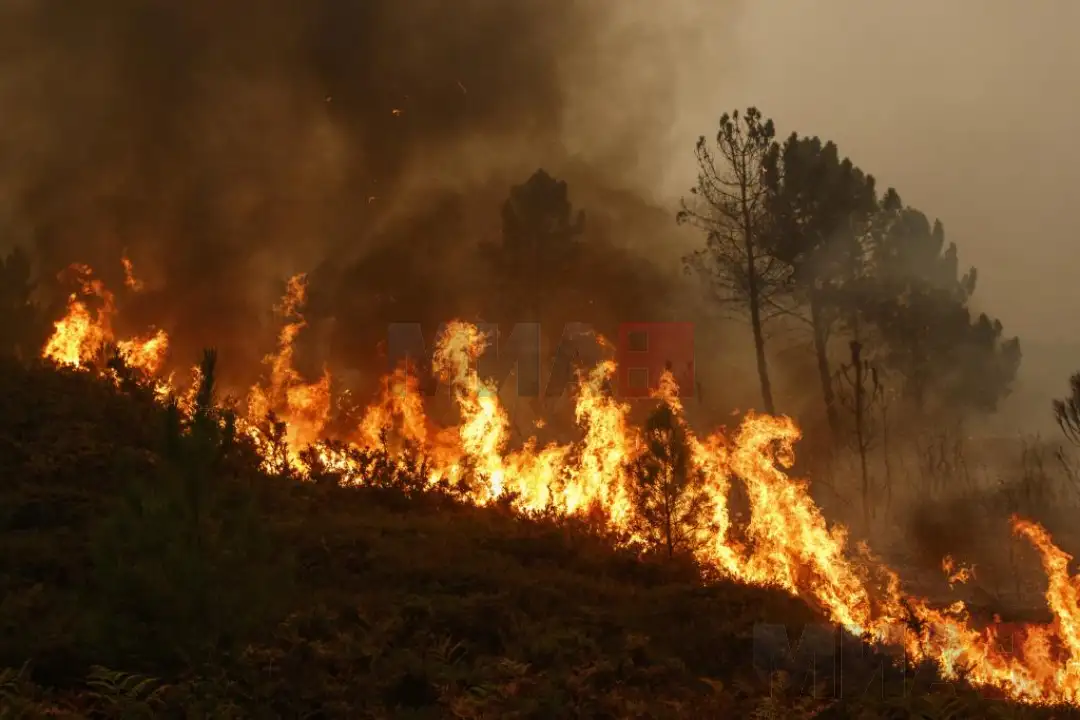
column 794, row 230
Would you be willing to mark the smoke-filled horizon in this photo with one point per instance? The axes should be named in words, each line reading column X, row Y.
column 227, row 145
column 224, row 146
column 967, row 108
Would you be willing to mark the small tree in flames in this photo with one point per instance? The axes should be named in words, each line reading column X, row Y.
column 670, row 502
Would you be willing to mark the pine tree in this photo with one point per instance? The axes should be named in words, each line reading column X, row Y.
column 730, row 204
column 668, row 493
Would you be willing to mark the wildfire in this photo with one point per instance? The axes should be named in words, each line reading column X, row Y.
column 130, row 281
column 954, row 573
column 786, row 543
column 303, row 407
column 81, row 337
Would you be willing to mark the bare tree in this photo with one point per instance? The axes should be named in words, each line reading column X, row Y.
column 729, row 203
column 863, row 392
column 1067, row 414
column 886, row 451
column 1067, row 411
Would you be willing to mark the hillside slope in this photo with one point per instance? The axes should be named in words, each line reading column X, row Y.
column 236, row 594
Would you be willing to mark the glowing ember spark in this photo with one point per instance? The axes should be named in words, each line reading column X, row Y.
column 955, row 574
column 130, row 281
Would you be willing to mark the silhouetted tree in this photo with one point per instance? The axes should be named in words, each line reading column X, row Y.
column 540, row 254
column 21, row 323
column 540, row 237
column 1067, row 411
column 668, row 495
column 862, row 392
column 919, row 306
column 820, row 208
column 1067, row 414
column 730, row 203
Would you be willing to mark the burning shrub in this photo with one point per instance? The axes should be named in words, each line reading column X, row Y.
column 668, row 492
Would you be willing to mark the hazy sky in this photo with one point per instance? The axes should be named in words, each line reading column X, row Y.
column 967, row 107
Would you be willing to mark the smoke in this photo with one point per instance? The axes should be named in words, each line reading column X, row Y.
column 937, row 100
column 224, row 146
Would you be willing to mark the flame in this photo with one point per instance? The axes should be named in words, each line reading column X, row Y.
column 954, row 573
column 786, row 542
column 303, row 407
column 81, row 336
column 130, row 281
column 400, row 408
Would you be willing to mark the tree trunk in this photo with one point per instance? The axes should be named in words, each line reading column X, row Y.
column 754, row 293
column 669, row 522
column 539, row 402
column 824, row 372
column 759, row 350
column 865, row 485
column 885, row 456
column 860, row 435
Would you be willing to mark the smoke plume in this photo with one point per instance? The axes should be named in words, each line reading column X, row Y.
column 223, row 146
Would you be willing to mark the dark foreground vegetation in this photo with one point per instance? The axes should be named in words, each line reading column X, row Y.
column 148, row 569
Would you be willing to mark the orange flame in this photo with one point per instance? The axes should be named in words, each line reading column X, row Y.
column 303, row 407
column 80, row 337
column 786, row 542
column 130, row 281
column 954, row 573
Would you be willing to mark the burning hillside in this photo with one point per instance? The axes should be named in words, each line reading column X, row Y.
column 786, row 542
column 221, row 151
column 83, row 334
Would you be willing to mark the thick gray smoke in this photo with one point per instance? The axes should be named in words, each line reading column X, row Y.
column 226, row 145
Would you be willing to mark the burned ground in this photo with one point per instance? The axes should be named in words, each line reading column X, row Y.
column 359, row 602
